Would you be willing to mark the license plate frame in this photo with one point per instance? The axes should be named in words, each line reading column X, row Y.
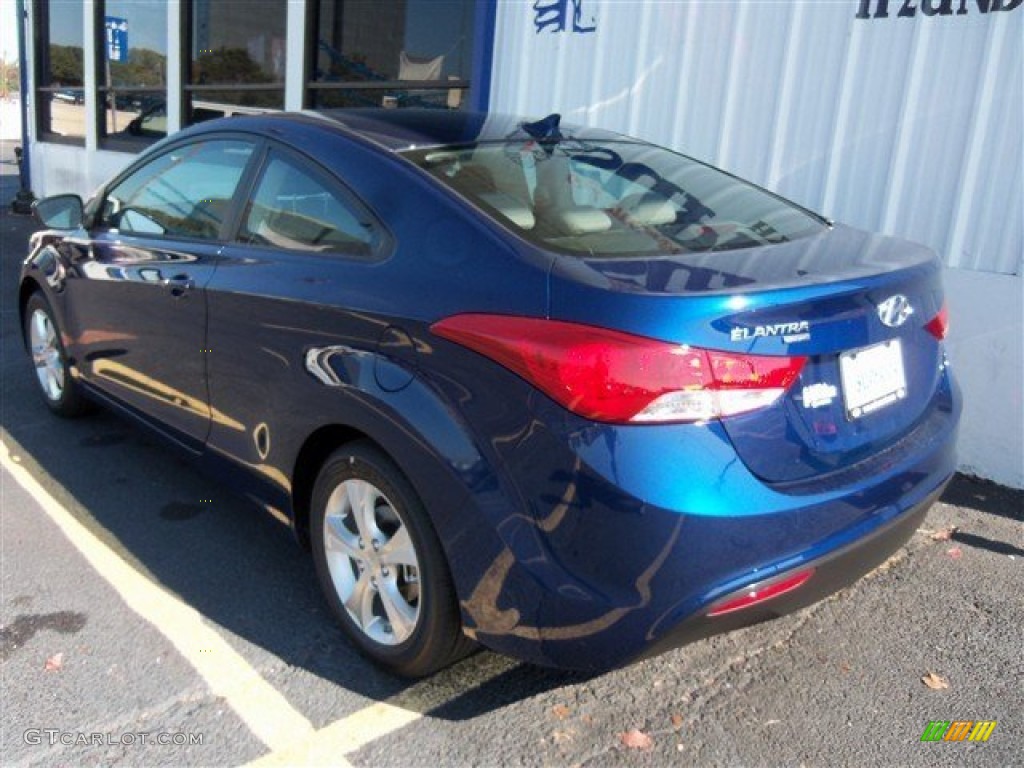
column 872, row 378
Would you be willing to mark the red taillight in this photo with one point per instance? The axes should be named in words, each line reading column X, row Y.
column 611, row 376
column 755, row 596
column 938, row 326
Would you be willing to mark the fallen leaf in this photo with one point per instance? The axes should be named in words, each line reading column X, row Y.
column 560, row 711
column 944, row 534
column 955, row 553
column 935, row 682
column 54, row 663
column 677, row 721
column 636, row 739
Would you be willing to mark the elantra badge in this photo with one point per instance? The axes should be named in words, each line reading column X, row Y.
column 790, row 332
column 895, row 310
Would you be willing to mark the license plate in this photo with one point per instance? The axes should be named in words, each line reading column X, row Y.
column 872, row 378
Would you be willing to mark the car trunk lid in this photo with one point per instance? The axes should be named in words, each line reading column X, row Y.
column 858, row 307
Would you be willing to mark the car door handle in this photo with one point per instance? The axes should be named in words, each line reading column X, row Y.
column 179, row 284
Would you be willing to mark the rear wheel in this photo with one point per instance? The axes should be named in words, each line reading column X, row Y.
column 381, row 566
column 59, row 391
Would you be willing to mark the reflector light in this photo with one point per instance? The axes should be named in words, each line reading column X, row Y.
column 610, row 376
column 753, row 597
column 938, row 326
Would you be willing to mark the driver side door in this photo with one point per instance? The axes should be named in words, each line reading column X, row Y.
column 137, row 298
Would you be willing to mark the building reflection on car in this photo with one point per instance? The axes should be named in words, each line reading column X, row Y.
column 151, row 121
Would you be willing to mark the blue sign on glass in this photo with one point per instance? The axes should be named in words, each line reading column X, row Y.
column 117, row 38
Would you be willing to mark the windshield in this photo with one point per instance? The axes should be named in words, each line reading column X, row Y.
column 614, row 198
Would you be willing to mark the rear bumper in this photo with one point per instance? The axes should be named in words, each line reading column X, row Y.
column 646, row 529
column 831, row 573
column 649, row 599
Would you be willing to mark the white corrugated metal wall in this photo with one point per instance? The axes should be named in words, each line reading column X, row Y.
column 906, row 125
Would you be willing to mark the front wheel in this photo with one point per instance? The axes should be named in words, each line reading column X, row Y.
column 381, row 565
column 43, row 341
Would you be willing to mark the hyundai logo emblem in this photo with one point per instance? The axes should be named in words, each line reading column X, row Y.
column 895, row 310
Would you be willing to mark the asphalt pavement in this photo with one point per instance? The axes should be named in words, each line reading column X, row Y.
column 141, row 601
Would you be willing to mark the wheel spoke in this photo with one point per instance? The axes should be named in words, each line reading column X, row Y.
column 338, row 539
column 360, row 602
column 52, row 383
column 401, row 615
column 362, row 499
column 399, row 549
column 39, row 326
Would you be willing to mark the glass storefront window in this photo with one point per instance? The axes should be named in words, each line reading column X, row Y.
column 60, row 71
column 132, row 77
column 403, row 53
column 237, row 57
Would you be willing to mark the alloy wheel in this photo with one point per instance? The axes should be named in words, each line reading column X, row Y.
column 46, row 355
column 372, row 562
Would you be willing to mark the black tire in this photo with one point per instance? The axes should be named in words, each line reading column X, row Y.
column 63, row 395
column 411, row 648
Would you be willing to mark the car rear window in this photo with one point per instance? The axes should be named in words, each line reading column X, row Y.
column 614, row 198
column 292, row 208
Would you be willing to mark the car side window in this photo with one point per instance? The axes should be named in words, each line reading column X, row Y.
column 297, row 209
column 185, row 192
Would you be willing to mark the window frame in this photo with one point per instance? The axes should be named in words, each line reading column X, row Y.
column 117, row 143
column 382, row 246
column 228, row 224
column 190, row 90
column 41, row 13
column 311, row 88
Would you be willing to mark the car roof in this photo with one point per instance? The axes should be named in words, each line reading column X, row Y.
column 398, row 130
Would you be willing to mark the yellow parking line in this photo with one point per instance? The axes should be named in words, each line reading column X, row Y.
column 289, row 737
column 331, row 744
column 328, row 745
column 263, row 709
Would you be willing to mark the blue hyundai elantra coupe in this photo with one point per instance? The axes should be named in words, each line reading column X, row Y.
column 549, row 389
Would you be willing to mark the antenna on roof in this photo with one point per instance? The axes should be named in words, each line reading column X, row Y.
column 546, row 128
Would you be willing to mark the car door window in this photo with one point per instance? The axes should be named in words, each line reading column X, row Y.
column 185, row 192
column 298, row 209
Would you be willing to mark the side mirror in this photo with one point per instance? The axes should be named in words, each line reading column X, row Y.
column 59, row 211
